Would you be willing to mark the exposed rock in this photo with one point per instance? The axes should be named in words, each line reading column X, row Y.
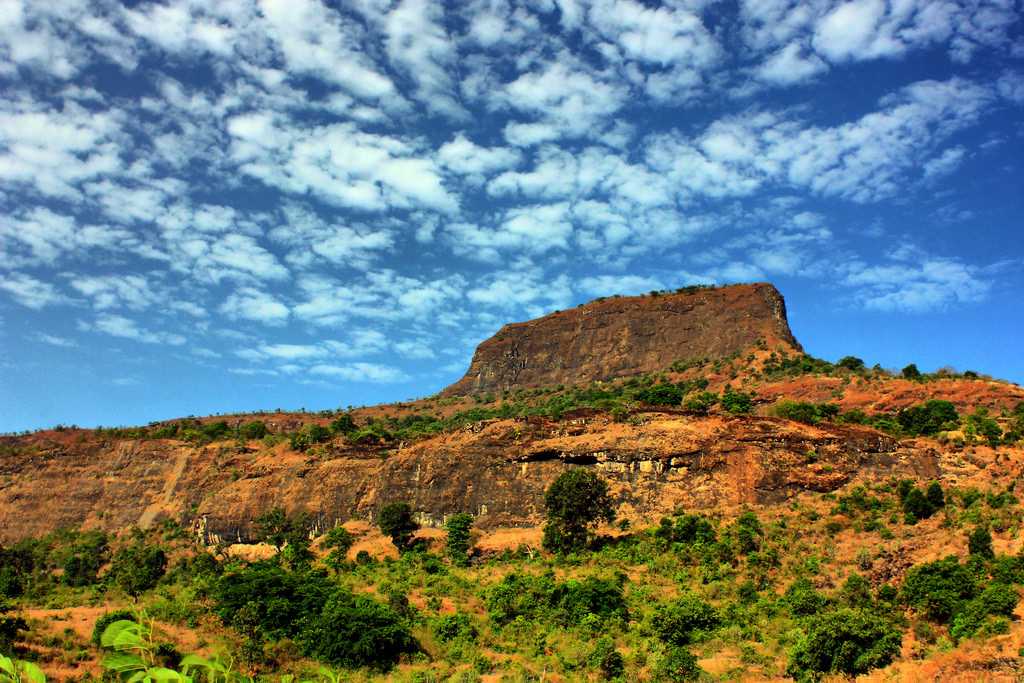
column 628, row 335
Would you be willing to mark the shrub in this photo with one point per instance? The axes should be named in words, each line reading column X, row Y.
column 802, row 599
column 689, row 529
column 935, row 495
column 253, row 430
column 850, row 363
column 138, row 567
column 799, row 411
column 661, row 395
column 353, row 631
column 277, row 527
column 574, row 503
column 86, row 555
column 340, row 541
column 575, row 599
column 917, row 506
column 607, row 659
column 855, row 592
column 748, row 532
column 457, row 546
column 678, row 664
column 215, row 430
column 929, row 418
column 454, row 627
column 396, row 520
column 911, row 372
column 275, row 598
column 700, row 402
column 343, row 424
column 309, row 436
column 979, row 543
column 997, row 600
column 846, row 641
column 737, row 402
column 938, row 589
column 680, row 621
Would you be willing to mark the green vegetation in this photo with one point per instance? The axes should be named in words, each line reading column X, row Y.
column 574, row 502
column 396, row 520
column 644, row 604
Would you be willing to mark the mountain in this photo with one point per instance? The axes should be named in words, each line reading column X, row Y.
column 622, row 336
column 493, row 441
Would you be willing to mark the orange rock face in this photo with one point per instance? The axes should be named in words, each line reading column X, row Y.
column 628, row 335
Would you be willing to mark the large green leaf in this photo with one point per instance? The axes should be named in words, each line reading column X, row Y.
column 123, row 662
column 122, row 635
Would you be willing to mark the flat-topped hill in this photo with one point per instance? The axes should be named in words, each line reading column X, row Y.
column 622, row 336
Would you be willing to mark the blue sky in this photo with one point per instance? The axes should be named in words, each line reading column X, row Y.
column 212, row 207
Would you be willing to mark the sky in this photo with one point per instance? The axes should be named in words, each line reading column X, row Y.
column 260, row 204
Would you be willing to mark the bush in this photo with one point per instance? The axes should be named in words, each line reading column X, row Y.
column 688, row 529
column 911, row 372
column 917, row 506
column 272, row 597
column 353, row 631
column 86, row 555
column 700, row 403
column 931, row 417
column 997, row 600
column 938, row 589
column 799, row 411
column 454, row 627
column 215, row 430
column 682, row 620
column 851, row 363
column 607, row 659
column 979, row 543
column 661, row 395
column 343, row 424
column 802, row 599
column 846, row 641
column 396, row 520
column 309, row 436
column 737, row 402
column 678, row 664
column 138, row 567
column 748, row 532
column 575, row 599
column 574, row 503
column 935, row 495
column 457, row 546
column 253, row 430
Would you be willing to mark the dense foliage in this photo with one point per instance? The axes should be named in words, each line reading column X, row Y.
column 574, row 502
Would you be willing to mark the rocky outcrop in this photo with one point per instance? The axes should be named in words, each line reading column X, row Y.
column 624, row 336
column 497, row 469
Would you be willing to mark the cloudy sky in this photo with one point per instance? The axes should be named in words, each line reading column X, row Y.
column 217, row 206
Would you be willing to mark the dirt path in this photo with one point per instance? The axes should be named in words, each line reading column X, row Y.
column 166, row 498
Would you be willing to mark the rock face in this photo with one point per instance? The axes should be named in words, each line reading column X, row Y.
column 623, row 336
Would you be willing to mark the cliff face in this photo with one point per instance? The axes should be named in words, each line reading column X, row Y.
column 626, row 336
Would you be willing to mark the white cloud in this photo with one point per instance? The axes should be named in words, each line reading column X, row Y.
column 418, row 44
column 607, row 285
column 249, row 303
column 126, row 328
column 54, row 340
column 790, row 65
column 467, row 158
column 362, row 372
column 919, row 284
column 29, row 291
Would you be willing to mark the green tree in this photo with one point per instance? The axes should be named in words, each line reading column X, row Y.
column 936, row 496
column 253, row 430
column 575, row 502
column 700, row 403
column 355, row 631
column 851, row 363
column 678, row 622
column 846, row 641
column 737, row 402
column 138, row 567
column 340, row 541
column 911, row 372
column 979, row 543
column 457, row 547
column 396, row 520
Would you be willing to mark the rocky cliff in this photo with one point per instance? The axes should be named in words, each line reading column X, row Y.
column 623, row 336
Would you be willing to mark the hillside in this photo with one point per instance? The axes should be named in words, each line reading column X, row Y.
column 719, row 412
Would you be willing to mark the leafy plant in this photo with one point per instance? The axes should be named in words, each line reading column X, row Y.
column 574, row 503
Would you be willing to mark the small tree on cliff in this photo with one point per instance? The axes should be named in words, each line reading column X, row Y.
column 574, row 502
column 457, row 548
column 396, row 520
